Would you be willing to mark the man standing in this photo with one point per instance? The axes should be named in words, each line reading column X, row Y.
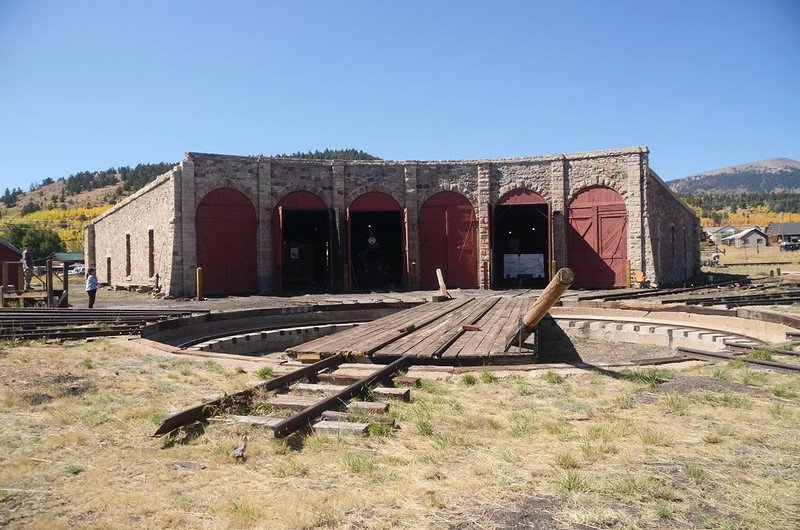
column 27, row 266
column 91, row 286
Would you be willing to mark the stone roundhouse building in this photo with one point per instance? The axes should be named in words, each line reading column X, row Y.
column 264, row 225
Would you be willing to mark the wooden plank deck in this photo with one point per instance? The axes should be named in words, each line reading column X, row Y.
column 368, row 337
column 461, row 328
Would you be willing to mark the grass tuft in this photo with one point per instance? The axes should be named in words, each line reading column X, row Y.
column 468, row 379
column 265, row 372
column 664, row 510
column 782, row 391
column 552, row 377
column 567, row 460
column 696, row 473
column 359, row 464
column 488, row 377
column 655, row 437
column 649, row 377
column 760, row 354
column 74, row 469
column 573, row 482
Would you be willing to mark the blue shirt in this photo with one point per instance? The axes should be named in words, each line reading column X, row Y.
column 91, row 283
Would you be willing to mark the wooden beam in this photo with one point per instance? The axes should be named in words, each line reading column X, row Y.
column 557, row 286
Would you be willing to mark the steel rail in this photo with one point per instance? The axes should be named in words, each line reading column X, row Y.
column 759, row 294
column 336, row 401
column 643, row 293
column 777, row 351
column 702, row 354
column 246, row 331
column 211, row 407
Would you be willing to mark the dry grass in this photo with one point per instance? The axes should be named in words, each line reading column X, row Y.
column 584, row 449
column 746, row 261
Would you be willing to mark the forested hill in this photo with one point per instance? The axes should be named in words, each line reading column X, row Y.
column 95, row 188
column 765, row 176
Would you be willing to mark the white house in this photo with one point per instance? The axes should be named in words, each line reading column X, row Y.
column 747, row 238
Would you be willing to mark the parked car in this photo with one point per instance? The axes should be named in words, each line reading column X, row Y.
column 790, row 245
column 77, row 269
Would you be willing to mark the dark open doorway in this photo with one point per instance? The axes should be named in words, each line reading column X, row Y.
column 301, row 237
column 376, row 250
column 521, row 245
column 306, row 252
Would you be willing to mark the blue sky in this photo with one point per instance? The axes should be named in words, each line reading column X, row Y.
column 87, row 85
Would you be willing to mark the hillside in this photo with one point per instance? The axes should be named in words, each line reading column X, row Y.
column 766, row 176
column 66, row 204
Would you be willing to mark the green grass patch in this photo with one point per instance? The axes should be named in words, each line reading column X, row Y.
column 265, row 372
column 552, row 377
column 573, row 482
column 786, row 392
column 649, row 377
column 468, row 379
column 760, row 354
column 359, row 464
column 567, row 460
column 73, row 469
column 696, row 473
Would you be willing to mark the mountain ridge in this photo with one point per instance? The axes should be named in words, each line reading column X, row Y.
column 764, row 176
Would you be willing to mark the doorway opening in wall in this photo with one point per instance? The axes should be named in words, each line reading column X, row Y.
column 303, row 235
column 376, row 250
column 306, row 251
column 521, row 246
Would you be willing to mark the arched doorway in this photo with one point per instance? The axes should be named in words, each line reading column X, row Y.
column 375, row 242
column 301, row 239
column 225, row 225
column 521, row 235
column 597, row 238
column 447, row 241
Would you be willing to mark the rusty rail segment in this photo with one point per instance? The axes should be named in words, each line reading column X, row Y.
column 210, row 407
column 296, row 421
column 645, row 293
column 705, row 355
column 28, row 324
column 337, row 401
column 557, row 286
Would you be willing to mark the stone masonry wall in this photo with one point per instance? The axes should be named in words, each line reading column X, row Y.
column 151, row 208
column 673, row 243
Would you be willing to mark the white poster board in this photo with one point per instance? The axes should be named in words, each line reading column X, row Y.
column 516, row 264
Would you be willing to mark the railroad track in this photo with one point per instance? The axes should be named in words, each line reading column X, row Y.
column 733, row 355
column 652, row 292
column 776, row 298
column 320, row 396
column 52, row 323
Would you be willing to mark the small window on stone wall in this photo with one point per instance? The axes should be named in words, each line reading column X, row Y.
column 127, row 254
column 151, row 253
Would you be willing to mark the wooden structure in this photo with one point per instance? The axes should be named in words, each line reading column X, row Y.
column 54, row 290
column 460, row 329
column 455, row 330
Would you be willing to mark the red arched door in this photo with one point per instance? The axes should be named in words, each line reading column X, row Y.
column 597, row 238
column 447, row 241
column 226, row 243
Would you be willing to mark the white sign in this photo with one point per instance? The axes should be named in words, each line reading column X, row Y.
column 516, row 264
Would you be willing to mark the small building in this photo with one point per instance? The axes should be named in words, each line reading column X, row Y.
column 780, row 232
column 13, row 256
column 747, row 238
column 720, row 233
